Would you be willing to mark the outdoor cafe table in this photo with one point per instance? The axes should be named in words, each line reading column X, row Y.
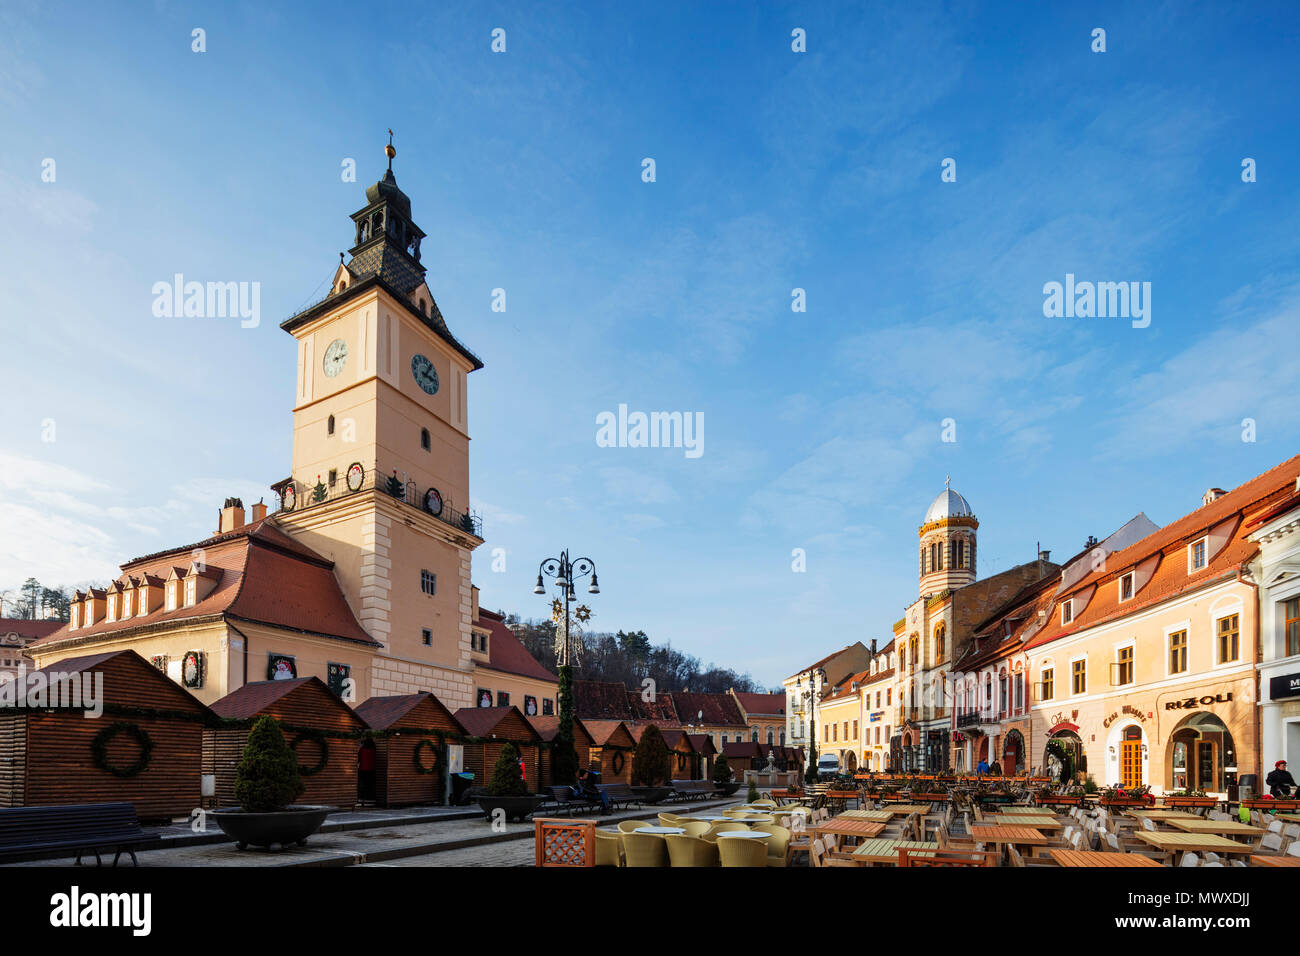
column 1004, row 835
column 1221, row 827
column 886, row 851
column 1170, row 843
column 708, row 817
column 1160, row 816
column 743, row 835
column 1259, row 859
column 1024, row 820
column 661, row 831
column 1027, row 811
column 849, row 828
column 1288, row 817
column 876, row 816
column 907, row 808
column 1108, row 858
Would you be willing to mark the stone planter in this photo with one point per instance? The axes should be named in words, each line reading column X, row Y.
column 728, row 788
column 515, row 808
column 292, row 825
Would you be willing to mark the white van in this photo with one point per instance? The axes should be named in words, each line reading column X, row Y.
column 828, row 765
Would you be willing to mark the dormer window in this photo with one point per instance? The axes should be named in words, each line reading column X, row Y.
column 1067, row 611
column 191, row 591
column 171, row 595
column 144, row 601
column 126, row 604
column 1126, row 587
column 111, row 614
column 1198, row 555
column 74, row 617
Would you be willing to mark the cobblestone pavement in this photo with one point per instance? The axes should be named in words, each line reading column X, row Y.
column 442, row 843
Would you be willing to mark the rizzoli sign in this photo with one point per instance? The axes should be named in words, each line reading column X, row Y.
column 1189, row 703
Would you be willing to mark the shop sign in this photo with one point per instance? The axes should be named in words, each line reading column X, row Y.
column 1128, row 709
column 876, row 716
column 1287, row 685
column 1191, row 703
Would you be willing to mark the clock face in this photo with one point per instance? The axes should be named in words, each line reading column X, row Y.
column 433, row 501
column 336, row 356
column 356, row 475
column 426, row 376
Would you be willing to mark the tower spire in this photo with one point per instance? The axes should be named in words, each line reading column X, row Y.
column 389, row 151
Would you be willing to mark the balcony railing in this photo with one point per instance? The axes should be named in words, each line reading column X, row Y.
column 970, row 719
column 297, row 495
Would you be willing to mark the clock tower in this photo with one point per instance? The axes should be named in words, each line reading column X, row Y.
column 380, row 472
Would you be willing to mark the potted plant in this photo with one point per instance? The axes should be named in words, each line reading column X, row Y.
column 1117, row 796
column 751, row 795
column 722, row 776
column 267, row 782
column 651, row 770
column 506, row 789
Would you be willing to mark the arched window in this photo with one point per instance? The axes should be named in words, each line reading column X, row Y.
column 771, row 737
column 915, row 645
column 424, row 438
column 940, row 632
column 330, row 425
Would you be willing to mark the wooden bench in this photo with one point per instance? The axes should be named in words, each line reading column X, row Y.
column 565, row 799
column 693, row 789
column 81, row 828
column 619, row 793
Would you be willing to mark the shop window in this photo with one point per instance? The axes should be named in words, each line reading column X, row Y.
column 1228, row 638
column 1178, row 652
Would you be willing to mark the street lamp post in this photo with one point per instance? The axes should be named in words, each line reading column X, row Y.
column 566, row 572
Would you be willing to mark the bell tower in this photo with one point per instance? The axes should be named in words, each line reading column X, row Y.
column 379, row 478
column 947, row 543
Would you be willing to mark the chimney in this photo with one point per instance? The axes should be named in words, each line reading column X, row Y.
column 1211, row 495
column 873, row 648
column 1044, row 556
column 259, row 511
column 232, row 516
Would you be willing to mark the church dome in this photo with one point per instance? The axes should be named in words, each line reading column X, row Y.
column 949, row 504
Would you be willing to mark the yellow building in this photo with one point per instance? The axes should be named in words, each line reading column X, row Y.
column 840, row 722
column 362, row 575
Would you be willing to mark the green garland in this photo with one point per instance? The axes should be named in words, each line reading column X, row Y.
column 99, row 748
column 423, row 744
column 319, row 739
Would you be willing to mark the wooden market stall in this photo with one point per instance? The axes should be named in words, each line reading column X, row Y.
column 612, row 749
column 705, row 752
column 410, row 747
column 143, row 749
column 547, row 727
column 684, row 761
column 489, row 729
column 322, row 730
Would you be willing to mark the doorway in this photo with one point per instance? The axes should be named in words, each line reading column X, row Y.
column 1130, row 761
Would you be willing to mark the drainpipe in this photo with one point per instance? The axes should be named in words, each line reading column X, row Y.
column 1259, row 743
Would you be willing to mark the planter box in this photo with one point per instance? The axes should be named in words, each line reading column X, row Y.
column 1122, row 802
column 1190, row 801
column 292, row 825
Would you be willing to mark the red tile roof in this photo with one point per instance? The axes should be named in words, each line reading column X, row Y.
column 1167, row 546
column 601, row 730
column 265, row 577
column 29, row 630
column 507, row 654
column 718, row 709
column 484, row 721
column 762, row 704
column 252, row 699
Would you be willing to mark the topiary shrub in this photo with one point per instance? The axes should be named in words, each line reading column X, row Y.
column 652, row 760
column 267, row 778
column 721, row 770
column 507, row 779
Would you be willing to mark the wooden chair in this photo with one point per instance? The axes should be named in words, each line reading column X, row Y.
column 946, row 858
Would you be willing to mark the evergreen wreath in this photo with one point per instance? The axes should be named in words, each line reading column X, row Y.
column 618, row 762
column 422, row 745
column 319, row 739
column 99, row 748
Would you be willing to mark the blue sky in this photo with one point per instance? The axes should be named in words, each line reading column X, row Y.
column 775, row 170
